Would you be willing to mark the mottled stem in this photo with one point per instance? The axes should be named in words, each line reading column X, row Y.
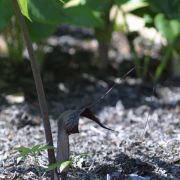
column 62, row 143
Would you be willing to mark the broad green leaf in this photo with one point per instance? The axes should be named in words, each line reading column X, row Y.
column 170, row 29
column 53, row 166
column 170, row 8
column 62, row 165
column 120, row 2
column 99, row 5
column 39, row 31
column 53, row 12
column 133, row 5
column 47, row 11
column 148, row 19
column 23, row 4
column 65, row 165
column 83, row 16
column 62, row 1
column 6, row 12
column 73, row 3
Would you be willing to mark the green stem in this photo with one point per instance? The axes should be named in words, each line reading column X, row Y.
column 134, row 53
column 148, row 58
column 103, row 35
column 136, row 60
column 146, row 65
column 164, row 61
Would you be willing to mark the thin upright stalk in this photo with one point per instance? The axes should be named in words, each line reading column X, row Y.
column 133, row 50
column 38, row 83
column 164, row 62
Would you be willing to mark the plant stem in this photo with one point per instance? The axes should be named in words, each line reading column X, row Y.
column 103, row 35
column 145, row 66
column 164, row 61
column 132, row 48
column 38, row 83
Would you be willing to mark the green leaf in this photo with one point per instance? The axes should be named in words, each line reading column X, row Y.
column 65, row 165
column 62, row 1
column 98, row 5
column 44, row 147
column 23, row 151
column 120, row 2
column 148, row 19
column 39, row 31
column 132, row 5
column 170, row 8
column 84, row 16
column 62, row 165
column 23, row 4
column 6, row 12
column 47, row 11
column 52, row 12
column 170, row 29
column 39, row 148
column 53, row 166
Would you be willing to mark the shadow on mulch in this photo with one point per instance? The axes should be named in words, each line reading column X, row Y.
column 125, row 166
column 173, row 168
column 122, row 167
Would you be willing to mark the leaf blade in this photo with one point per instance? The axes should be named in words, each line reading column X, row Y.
column 23, row 4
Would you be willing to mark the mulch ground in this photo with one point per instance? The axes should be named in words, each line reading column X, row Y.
column 145, row 143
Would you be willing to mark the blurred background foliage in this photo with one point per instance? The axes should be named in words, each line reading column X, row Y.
column 148, row 26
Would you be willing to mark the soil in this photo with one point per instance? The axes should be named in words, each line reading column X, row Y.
column 144, row 145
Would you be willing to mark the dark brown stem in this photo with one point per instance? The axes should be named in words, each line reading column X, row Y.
column 38, row 83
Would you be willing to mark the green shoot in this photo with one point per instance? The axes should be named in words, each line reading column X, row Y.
column 34, row 151
column 63, row 166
